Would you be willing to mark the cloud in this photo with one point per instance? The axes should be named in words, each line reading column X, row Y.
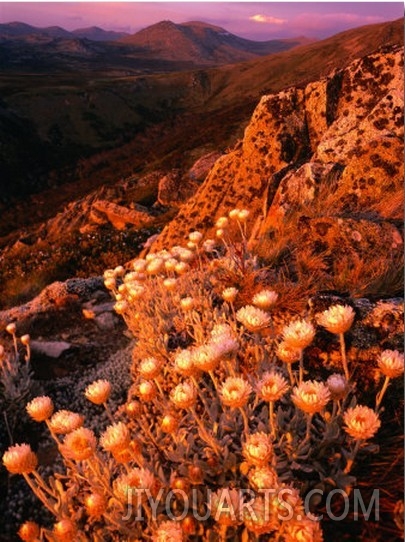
column 267, row 19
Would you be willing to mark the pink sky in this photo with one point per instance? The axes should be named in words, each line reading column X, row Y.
column 253, row 20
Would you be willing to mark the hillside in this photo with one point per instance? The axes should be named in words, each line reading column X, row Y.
column 202, row 43
column 163, row 112
column 83, row 130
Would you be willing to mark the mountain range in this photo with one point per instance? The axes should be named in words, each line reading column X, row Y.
column 19, row 30
column 194, row 44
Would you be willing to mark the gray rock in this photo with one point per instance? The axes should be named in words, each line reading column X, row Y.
column 50, row 349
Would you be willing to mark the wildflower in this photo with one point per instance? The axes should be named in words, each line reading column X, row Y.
column 187, row 303
column 169, row 423
column 311, row 396
column 115, row 438
column 235, row 392
column 287, row 500
column 120, row 307
column 265, row 299
column 170, row 264
column 337, row 385
column 233, row 214
column 25, row 340
column 168, row 531
column 206, row 357
column 220, row 233
column 195, row 237
column 391, row 363
column 29, row 531
column 11, row 328
column 195, row 474
column 154, row 266
column 253, row 318
column 186, row 255
column 133, row 409
column 135, row 291
column 257, row 518
column 40, row 408
column 170, row 283
column 182, row 268
column 272, row 386
column 184, row 395
column 95, row 504
column 119, row 271
column 65, row 421
column 209, row 245
column 128, row 485
column 225, row 345
column 139, row 265
column 222, row 222
column 288, row 353
column 243, row 215
column 299, row 334
column 337, row 319
column 20, row 459
column 98, row 392
column 303, row 530
column 110, row 283
column 80, row 444
column 258, row 450
column 65, row 530
column 108, row 273
column 184, row 363
column 229, row 294
column 361, row 422
column 224, row 506
column 149, row 368
column 127, row 454
column 263, row 478
column 147, row 390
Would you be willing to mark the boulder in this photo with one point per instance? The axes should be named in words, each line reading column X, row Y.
column 175, row 188
column 120, row 216
column 50, row 349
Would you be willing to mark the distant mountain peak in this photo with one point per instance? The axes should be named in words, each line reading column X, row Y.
column 203, row 43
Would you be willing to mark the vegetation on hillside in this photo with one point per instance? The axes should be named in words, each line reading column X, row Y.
column 237, row 423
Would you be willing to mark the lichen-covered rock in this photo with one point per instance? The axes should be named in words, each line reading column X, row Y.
column 202, row 166
column 321, row 170
column 120, row 216
column 175, row 188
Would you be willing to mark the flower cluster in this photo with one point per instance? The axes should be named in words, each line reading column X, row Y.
column 226, row 405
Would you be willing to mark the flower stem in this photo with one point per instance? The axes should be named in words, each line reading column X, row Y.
column 109, row 413
column 301, row 369
column 290, row 372
column 37, row 491
column 271, row 419
column 308, row 432
column 381, row 394
column 343, row 353
column 204, row 434
column 245, row 420
column 352, row 457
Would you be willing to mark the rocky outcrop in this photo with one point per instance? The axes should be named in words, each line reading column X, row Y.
column 324, row 162
column 119, row 216
column 72, row 325
column 175, row 189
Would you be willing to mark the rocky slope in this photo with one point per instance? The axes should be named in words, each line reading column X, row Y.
column 321, row 169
